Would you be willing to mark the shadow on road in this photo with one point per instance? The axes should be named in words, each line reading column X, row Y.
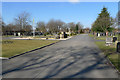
column 59, row 64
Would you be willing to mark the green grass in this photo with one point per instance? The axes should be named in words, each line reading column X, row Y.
column 8, row 36
column 114, row 58
column 106, row 49
column 14, row 47
column 110, row 51
column 37, row 36
column 101, row 37
column 91, row 35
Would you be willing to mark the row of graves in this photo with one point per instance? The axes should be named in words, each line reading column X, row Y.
column 110, row 40
column 62, row 35
column 21, row 33
column 104, row 34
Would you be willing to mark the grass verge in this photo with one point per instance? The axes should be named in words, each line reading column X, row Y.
column 109, row 51
column 15, row 47
column 99, row 38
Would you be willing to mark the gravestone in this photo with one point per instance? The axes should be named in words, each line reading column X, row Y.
column 98, row 34
column 114, row 33
column 110, row 34
column 118, row 47
column 105, row 34
column 108, row 41
column 114, row 39
column 14, row 34
column 57, row 37
column 18, row 34
column 101, row 34
column 61, row 36
column 65, row 35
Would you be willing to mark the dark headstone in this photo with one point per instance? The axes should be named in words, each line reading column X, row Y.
column 114, row 39
column 65, row 35
column 111, row 34
column 115, row 33
column 118, row 47
column 16, row 34
column 97, row 34
column 104, row 34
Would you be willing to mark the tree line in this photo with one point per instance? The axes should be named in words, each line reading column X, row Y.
column 23, row 23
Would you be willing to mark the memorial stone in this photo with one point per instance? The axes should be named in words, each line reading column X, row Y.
column 118, row 47
column 108, row 41
column 114, row 39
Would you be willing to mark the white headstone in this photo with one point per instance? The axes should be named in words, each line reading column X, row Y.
column 14, row 34
column 98, row 34
column 18, row 34
column 108, row 41
column 61, row 35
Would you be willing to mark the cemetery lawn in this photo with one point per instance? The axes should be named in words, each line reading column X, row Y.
column 110, row 52
column 91, row 35
column 101, row 37
column 14, row 47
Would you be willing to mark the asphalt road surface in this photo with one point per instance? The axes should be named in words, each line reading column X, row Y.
column 77, row 57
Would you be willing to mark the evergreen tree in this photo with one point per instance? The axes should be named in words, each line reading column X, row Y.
column 103, row 22
column 76, row 28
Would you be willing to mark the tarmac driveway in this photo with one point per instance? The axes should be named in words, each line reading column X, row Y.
column 77, row 57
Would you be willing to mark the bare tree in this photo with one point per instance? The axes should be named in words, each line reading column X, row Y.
column 117, row 20
column 2, row 27
column 41, row 27
column 80, row 25
column 28, row 28
column 65, row 28
column 11, row 27
column 22, row 20
column 72, row 26
column 54, row 25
